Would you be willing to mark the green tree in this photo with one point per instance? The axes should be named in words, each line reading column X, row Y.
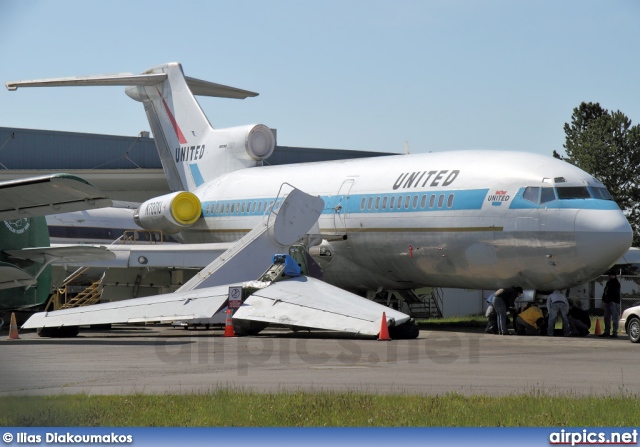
column 607, row 146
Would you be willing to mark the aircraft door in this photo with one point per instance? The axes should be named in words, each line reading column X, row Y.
column 341, row 208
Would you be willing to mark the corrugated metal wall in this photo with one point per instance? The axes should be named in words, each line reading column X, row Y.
column 46, row 149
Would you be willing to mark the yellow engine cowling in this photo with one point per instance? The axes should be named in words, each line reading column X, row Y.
column 170, row 213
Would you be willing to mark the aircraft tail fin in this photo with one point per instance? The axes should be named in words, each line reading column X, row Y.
column 191, row 151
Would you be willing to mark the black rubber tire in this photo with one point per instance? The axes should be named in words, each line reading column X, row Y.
column 246, row 327
column 59, row 332
column 406, row 331
column 633, row 329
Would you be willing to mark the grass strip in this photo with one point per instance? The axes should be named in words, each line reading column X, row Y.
column 233, row 408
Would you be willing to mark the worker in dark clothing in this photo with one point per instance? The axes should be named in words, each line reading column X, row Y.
column 579, row 321
column 502, row 301
column 611, row 305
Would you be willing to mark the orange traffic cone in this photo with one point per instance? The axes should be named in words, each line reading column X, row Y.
column 384, row 329
column 13, row 328
column 598, row 330
column 228, row 326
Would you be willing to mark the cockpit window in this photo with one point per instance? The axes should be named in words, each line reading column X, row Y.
column 601, row 193
column 531, row 194
column 547, row 195
column 573, row 192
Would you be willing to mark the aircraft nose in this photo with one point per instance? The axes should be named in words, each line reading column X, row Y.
column 602, row 237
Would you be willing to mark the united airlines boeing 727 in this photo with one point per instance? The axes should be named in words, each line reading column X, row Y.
column 465, row 219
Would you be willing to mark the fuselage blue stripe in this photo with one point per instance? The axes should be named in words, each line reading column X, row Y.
column 442, row 200
column 446, row 200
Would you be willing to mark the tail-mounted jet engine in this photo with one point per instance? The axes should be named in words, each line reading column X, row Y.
column 170, row 213
column 252, row 142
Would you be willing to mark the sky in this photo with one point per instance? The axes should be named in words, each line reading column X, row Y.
column 339, row 74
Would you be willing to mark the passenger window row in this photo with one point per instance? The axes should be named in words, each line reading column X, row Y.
column 221, row 208
column 401, row 202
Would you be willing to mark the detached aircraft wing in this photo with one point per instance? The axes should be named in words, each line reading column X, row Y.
column 169, row 307
column 48, row 194
column 308, row 302
column 300, row 302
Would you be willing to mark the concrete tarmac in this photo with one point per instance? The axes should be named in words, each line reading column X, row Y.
column 164, row 360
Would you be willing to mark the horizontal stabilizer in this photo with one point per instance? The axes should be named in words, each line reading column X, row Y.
column 157, row 255
column 63, row 255
column 48, row 194
column 311, row 303
column 169, row 307
column 205, row 88
column 197, row 86
column 12, row 276
column 120, row 79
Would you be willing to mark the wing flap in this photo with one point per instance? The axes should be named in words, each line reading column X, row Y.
column 308, row 302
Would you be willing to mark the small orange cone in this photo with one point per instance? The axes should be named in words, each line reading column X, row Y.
column 13, row 328
column 384, row 329
column 228, row 326
column 598, row 330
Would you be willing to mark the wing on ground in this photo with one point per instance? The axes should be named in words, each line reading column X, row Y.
column 311, row 303
column 169, row 307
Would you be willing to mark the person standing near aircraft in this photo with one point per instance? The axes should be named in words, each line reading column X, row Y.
column 557, row 303
column 611, row 305
column 492, row 324
column 502, row 301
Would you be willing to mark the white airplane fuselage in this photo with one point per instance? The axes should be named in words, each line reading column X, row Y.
column 101, row 226
column 466, row 219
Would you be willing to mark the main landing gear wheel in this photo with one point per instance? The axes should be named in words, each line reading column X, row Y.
column 59, row 332
column 248, row 327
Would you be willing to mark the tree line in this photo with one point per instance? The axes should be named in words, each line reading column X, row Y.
column 606, row 145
